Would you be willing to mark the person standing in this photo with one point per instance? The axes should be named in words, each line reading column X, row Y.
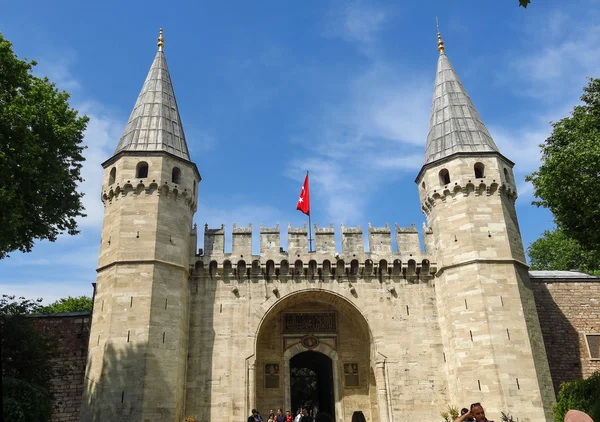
column 288, row 416
column 305, row 416
column 358, row 416
column 280, row 416
column 475, row 413
column 252, row 417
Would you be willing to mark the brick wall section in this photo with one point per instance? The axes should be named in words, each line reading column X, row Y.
column 72, row 333
column 567, row 310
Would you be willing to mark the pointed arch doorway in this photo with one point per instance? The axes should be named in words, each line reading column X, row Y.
column 311, row 382
column 324, row 338
column 311, row 379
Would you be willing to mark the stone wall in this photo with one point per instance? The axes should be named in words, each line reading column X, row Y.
column 568, row 309
column 388, row 327
column 72, row 331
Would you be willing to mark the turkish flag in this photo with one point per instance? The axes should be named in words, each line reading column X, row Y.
column 304, row 200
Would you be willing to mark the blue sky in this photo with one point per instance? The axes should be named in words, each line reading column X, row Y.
column 268, row 90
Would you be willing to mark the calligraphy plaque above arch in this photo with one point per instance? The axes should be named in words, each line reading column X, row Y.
column 310, row 323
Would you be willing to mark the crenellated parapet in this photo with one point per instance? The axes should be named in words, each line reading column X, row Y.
column 324, row 239
column 125, row 188
column 324, row 262
column 457, row 191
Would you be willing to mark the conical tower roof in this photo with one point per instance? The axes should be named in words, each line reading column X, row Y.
column 155, row 124
column 455, row 125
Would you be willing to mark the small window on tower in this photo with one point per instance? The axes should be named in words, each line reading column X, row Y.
column 142, row 170
column 112, row 176
column 506, row 175
column 423, row 185
column 176, row 175
column 479, row 170
column 444, row 177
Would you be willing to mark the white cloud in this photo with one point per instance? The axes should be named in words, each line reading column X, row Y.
column 561, row 52
column 101, row 136
column 551, row 70
column 373, row 135
column 357, row 22
column 59, row 71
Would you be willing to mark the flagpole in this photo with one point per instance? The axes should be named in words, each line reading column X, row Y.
column 309, row 228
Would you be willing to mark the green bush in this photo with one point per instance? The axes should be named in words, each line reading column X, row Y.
column 583, row 395
column 24, row 402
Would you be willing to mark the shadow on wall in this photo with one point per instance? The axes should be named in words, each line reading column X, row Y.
column 119, row 393
column 199, row 380
column 561, row 339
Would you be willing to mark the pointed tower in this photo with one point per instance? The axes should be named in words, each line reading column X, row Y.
column 138, row 340
column 493, row 345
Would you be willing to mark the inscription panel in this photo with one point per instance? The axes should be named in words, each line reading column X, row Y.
column 272, row 375
column 310, row 323
column 351, row 375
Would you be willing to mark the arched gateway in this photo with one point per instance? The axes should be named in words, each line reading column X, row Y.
column 314, row 348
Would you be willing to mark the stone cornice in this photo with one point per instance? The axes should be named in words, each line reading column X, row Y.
column 483, row 261
column 142, row 261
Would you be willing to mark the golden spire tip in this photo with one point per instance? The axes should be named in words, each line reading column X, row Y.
column 439, row 36
column 161, row 40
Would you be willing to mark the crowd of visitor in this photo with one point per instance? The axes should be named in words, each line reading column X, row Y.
column 302, row 415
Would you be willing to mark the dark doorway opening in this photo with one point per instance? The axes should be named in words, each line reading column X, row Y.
column 311, row 383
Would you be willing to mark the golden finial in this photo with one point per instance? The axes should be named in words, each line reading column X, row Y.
column 161, row 40
column 440, row 42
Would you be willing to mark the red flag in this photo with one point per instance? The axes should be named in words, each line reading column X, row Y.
column 304, row 200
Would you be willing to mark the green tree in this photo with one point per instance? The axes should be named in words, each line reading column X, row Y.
column 568, row 178
column 524, row 3
column 68, row 304
column 579, row 395
column 556, row 251
column 26, row 356
column 40, row 156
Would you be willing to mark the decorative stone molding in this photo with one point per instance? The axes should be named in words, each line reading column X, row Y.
column 437, row 196
column 170, row 190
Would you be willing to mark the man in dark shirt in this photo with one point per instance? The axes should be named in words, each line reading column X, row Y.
column 252, row 417
column 280, row 416
column 305, row 416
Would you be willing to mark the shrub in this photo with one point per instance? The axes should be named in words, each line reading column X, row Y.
column 579, row 395
column 450, row 414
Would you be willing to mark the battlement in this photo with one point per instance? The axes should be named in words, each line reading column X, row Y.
column 379, row 240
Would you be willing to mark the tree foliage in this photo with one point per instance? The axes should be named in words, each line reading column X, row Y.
column 579, row 395
column 303, row 386
column 568, row 178
column 68, row 304
column 556, row 251
column 26, row 356
column 40, row 156
column 524, row 3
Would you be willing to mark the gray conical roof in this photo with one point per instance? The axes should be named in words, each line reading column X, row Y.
column 455, row 125
column 154, row 124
